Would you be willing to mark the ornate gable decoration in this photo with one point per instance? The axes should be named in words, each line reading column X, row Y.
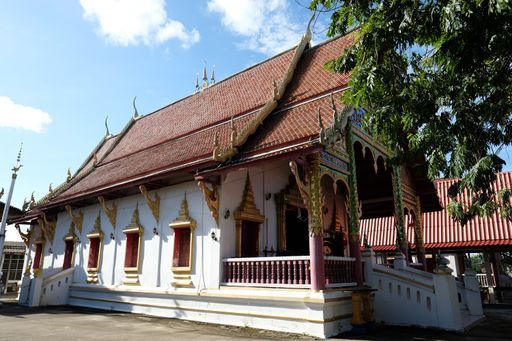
column 247, row 209
column 334, row 133
column 183, row 218
column 134, row 225
column 239, row 138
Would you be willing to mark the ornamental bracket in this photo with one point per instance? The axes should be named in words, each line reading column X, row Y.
column 24, row 236
column 110, row 212
column 211, row 196
column 303, row 188
column 78, row 219
column 330, row 135
column 154, row 204
column 48, row 227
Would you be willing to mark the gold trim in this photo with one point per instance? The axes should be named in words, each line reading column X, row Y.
column 48, row 226
column 181, row 274
column 211, row 196
column 78, row 219
column 132, row 273
column 110, row 212
column 41, row 241
column 154, row 204
column 96, row 232
column 24, row 236
column 247, row 211
column 215, row 311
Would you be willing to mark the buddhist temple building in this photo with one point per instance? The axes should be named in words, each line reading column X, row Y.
column 241, row 204
column 489, row 236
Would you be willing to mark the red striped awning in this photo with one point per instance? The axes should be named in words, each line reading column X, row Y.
column 440, row 231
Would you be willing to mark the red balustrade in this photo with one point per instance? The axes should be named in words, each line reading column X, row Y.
column 287, row 271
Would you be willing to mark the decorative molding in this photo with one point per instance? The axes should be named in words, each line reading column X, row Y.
column 154, row 204
column 183, row 217
column 132, row 273
column 278, row 90
column 96, row 232
column 24, row 236
column 71, row 235
column 78, row 219
column 211, row 196
column 110, row 212
column 247, row 211
column 48, row 226
column 181, row 274
column 303, row 189
column 314, row 191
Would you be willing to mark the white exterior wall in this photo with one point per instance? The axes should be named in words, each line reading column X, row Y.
column 267, row 178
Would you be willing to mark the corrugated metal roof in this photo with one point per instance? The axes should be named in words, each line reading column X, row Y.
column 440, row 230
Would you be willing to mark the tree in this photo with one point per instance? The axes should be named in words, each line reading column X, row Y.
column 436, row 79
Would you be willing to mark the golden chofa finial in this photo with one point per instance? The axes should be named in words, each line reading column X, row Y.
column 197, row 83
column 69, row 176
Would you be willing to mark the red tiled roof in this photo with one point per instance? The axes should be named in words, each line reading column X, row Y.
column 440, row 230
column 181, row 134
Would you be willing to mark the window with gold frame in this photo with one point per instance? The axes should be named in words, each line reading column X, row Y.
column 183, row 246
column 95, row 238
column 133, row 250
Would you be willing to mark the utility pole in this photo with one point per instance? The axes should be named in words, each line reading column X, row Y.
column 5, row 215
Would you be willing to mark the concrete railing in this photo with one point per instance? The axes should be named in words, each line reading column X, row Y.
column 55, row 288
column 408, row 296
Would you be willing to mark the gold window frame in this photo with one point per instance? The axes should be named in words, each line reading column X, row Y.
column 184, row 221
column 247, row 211
column 41, row 241
column 131, row 272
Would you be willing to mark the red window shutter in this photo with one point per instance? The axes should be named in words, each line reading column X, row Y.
column 37, row 256
column 94, row 249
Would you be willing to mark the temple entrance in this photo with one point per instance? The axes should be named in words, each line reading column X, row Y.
column 297, row 234
column 250, row 239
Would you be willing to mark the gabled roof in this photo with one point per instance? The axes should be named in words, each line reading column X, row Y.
column 440, row 230
column 179, row 137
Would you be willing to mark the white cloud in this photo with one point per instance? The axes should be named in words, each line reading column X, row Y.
column 131, row 22
column 21, row 116
column 265, row 24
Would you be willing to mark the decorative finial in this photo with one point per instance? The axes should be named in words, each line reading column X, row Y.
column 69, row 177
column 50, row 188
column 212, row 80
column 205, row 78
column 32, row 201
column 17, row 166
column 197, row 82
column 25, row 206
column 107, row 131
column 135, row 112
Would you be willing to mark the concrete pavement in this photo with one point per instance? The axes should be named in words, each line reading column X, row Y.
column 69, row 323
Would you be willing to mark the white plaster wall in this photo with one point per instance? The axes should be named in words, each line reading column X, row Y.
column 266, row 178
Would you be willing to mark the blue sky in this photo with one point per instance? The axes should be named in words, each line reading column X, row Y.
column 65, row 65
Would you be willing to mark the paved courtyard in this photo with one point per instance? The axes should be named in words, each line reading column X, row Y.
column 66, row 323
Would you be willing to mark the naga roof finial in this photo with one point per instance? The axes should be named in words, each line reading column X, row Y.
column 69, row 176
column 135, row 112
column 308, row 29
column 107, row 131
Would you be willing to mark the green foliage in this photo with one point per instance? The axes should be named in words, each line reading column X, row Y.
column 436, row 80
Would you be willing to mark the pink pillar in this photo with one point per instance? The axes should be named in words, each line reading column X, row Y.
column 316, row 252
